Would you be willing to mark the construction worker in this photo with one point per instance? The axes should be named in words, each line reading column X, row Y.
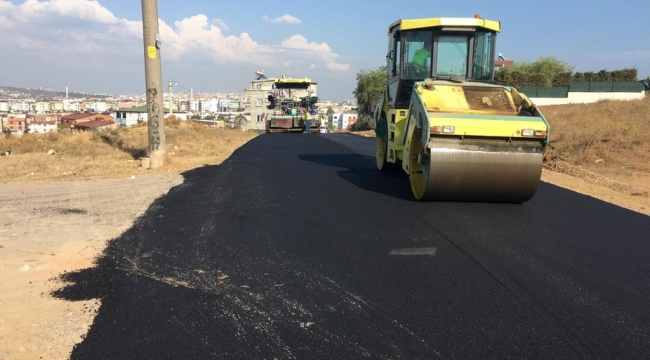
column 307, row 121
column 422, row 56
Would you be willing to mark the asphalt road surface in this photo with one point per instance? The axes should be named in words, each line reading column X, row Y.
column 296, row 247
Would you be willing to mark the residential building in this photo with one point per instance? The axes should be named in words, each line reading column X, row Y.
column 224, row 105
column 41, row 107
column 96, row 106
column 73, row 107
column 20, row 107
column 210, row 106
column 40, row 124
column 501, row 63
column 126, row 105
column 194, row 105
column 344, row 121
column 5, row 106
column 334, row 120
column 136, row 115
column 184, row 106
column 174, row 105
column 56, row 106
column 74, row 119
column 94, row 125
column 17, row 124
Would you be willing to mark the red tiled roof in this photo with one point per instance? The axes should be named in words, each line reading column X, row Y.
column 43, row 122
column 77, row 116
column 504, row 63
column 47, row 117
column 94, row 124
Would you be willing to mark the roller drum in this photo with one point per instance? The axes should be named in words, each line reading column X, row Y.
column 490, row 171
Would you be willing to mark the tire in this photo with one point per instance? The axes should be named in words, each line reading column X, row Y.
column 381, row 144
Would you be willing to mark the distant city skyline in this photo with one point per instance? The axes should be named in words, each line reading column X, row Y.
column 213, row 47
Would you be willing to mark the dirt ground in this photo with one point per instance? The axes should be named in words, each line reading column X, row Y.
column 48, row 228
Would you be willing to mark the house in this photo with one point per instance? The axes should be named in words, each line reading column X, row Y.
column 502, row 63
column 20, row 106
column 95, row 125
column 74, row 119
column 17, row 124
column 256, row 106
column 41, row 123
column 135, row 115
column 334, row 120
column 41, row 107
column 344, row 121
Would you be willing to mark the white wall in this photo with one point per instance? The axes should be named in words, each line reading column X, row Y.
column 587, row 97
column 41, row 128
column 98, row 106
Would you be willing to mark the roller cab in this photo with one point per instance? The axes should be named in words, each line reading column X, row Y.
column 440, row 118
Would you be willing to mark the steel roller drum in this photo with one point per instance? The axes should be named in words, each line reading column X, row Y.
column 478, row 170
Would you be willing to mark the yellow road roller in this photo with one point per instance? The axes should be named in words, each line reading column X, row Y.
column 458, row 136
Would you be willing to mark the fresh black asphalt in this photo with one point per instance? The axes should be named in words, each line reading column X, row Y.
column 296, row 247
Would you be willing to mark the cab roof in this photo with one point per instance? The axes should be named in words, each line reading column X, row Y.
column 293, row 81
column 476, row 22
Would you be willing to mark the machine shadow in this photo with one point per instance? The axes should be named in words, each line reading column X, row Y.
column 361, row 171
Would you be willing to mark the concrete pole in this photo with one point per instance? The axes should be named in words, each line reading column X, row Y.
column 153, row 78
column 170, row 96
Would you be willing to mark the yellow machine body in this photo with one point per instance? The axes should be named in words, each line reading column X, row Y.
column 455, row 134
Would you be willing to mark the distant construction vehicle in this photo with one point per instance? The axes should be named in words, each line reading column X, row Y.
column 291, row 101
column 456, row 135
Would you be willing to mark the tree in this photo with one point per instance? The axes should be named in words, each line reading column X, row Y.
column 365, row 122
column 370, row 84
column 330, row 111
column 548, row 66
column 520, row 73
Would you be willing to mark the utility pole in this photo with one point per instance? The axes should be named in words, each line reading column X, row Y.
column 171, row 88
column 153, row 78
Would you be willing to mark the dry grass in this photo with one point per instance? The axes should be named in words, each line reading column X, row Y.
column 114, row 153
column 611, row 137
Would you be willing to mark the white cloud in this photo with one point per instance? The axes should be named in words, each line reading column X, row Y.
column 80, row 9
column 221, row 25
column 322, row 51
column 284, row 19
column 337, row 67
column 299, row 42
column 67, row 28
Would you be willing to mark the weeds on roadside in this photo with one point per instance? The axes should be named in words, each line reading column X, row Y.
column 114, row 153
column 607, row 133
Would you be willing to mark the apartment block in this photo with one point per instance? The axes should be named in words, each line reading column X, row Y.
column 41, row 124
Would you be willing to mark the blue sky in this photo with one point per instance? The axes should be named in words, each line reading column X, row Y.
column 215, row 46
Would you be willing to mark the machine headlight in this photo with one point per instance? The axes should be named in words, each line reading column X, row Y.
column 531, row 132
column 443, row 129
